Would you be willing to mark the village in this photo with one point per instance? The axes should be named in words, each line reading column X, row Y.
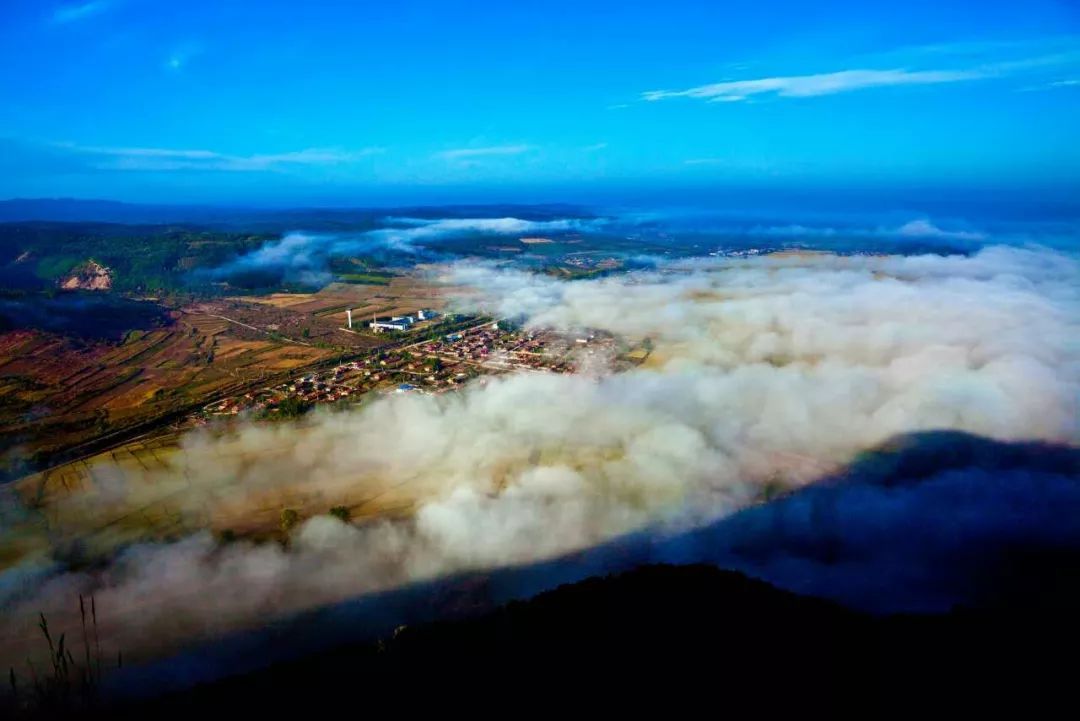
column 428, row 366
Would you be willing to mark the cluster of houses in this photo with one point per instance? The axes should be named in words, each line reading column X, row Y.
column 499, row 350
column 427, row 367
column 312, row 388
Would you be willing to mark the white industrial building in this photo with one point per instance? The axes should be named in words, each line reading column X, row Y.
column 398, row 322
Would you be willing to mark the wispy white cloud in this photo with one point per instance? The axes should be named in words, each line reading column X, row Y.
column 158, row 159
column 1054, row 85
column 594, row 147
column 467, row 153
column 803, row 86
column 80, row 11
column 1059, row 55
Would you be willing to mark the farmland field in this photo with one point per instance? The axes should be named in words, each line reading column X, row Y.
column 60, row 392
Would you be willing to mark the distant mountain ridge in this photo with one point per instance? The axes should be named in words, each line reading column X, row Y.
column 20, row 210
column 101, row 211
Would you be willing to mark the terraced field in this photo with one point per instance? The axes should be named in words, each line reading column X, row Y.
column 59, row 393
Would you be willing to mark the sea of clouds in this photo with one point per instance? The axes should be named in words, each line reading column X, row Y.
column 767, row 373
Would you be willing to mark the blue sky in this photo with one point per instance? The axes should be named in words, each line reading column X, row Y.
column 345, row 102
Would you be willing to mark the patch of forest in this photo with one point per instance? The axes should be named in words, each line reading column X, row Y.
column 142, row 259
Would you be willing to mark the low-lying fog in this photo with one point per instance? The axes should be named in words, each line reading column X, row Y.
column 767, row 374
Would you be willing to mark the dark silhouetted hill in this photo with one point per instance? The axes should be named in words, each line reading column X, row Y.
column 692, row 638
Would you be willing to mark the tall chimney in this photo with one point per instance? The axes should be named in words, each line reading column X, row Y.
column 348, row 313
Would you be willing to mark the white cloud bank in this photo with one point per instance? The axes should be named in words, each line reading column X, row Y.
column 923, row 228
column 918, row 229
column 421, row 228
column 305, row 257
column 766, row 371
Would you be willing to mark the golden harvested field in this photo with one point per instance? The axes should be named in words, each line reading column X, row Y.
column 278, row 300
column 58, row 393
column 230, row 348
column 402, row 295
column 405, row 291
column 62, row 396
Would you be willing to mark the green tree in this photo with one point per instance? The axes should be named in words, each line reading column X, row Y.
column 289, row 519
column 292, row 407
